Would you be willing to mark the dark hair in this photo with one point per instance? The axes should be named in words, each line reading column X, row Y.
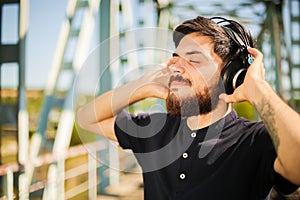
column 224, row 46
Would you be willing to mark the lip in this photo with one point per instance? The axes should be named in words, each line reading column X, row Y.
column 178, row 84
column 179, row 81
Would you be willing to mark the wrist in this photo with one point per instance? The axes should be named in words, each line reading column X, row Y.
column 260, row 89
column 138, row 90
column 155, row 90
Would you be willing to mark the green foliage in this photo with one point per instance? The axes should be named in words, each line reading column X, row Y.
column 34, row 104
column 9, row 100
column 246, row 110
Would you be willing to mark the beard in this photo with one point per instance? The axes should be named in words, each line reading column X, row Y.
column 195, row 102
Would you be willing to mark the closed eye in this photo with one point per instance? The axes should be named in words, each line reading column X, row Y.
column 194, row 61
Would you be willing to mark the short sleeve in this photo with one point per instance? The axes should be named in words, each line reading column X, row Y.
column 283, row 186
column 122, row 137
column 266, row 172
column 145, row 133
column 127, row 128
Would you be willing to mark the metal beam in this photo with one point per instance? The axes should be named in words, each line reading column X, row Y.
column 9, row 53
column 105, row 79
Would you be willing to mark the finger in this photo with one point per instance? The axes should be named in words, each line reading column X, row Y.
column 172, row 61
column 226, row 98
column 169, row 62
column 257, row 64
column 164, row 64
column 233, row 98
column 257, row 54
column 166, row 71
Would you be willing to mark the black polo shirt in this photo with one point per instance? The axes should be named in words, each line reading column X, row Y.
column 231, row 159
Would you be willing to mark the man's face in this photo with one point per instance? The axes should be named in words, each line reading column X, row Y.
column 195, row 84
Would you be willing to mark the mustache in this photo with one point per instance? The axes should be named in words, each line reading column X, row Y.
column 179, row 78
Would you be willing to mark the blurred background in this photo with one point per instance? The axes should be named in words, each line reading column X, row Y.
column 57, row 55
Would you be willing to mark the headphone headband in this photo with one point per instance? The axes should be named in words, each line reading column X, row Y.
column 233, row 29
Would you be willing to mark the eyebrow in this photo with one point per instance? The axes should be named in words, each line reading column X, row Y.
column 193, row 52
column 188, row 53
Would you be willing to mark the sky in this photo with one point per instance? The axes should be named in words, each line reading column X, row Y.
column 45, row 19
column 45, row 22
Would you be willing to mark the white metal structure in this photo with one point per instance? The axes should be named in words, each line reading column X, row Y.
column 76, row 39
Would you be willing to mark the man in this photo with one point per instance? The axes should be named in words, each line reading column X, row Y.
column 200, row 149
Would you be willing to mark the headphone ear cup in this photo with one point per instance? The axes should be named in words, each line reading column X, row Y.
column 233, row 75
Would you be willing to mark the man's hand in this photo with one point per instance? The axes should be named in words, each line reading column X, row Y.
column 255, row 75
column 156, row 82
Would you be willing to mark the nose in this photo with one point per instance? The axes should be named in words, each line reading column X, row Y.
column 178, row 65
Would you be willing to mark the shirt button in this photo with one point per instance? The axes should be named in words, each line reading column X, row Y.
column 185, row 155
column 193, row 134
column 182, row 176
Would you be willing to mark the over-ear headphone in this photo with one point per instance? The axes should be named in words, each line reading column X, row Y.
column 234, row 72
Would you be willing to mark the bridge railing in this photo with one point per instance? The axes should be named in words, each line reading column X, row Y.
column 53, row 186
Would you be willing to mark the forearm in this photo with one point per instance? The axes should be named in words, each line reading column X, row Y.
column 98, row 115
column 110, row 103
column 282, row 123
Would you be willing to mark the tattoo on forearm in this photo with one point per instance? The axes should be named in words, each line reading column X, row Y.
column 266, row 113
